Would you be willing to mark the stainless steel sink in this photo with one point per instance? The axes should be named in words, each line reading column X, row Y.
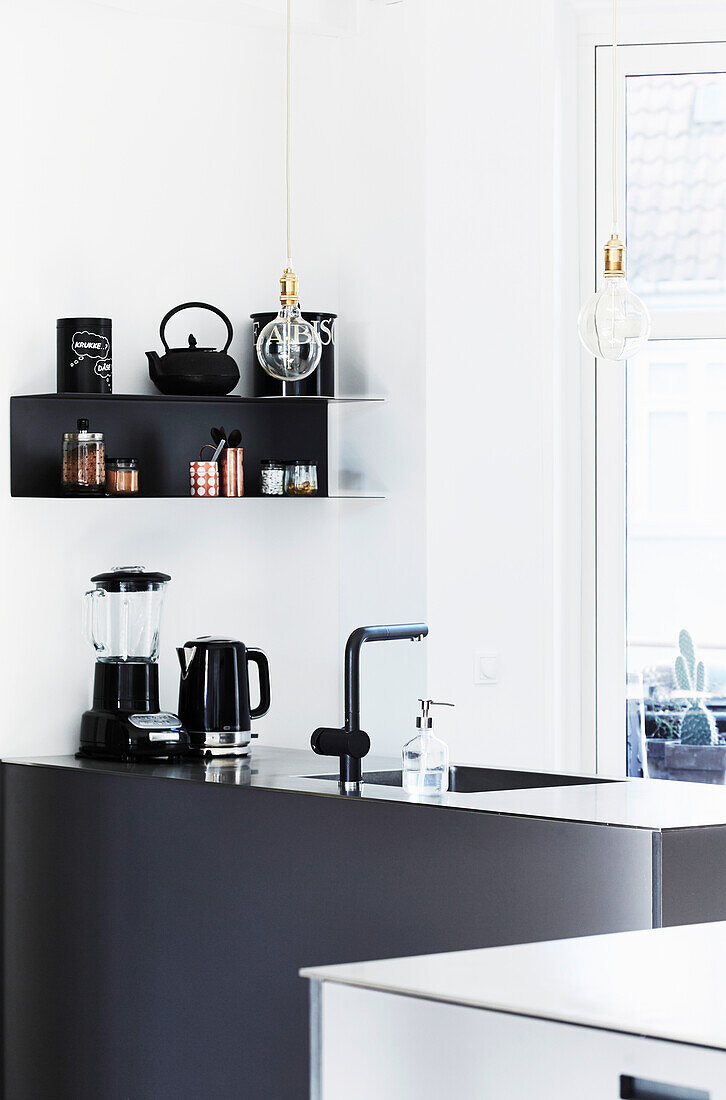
column 469, row 780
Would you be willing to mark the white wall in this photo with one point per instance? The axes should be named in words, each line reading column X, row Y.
column 503, row 444
column 434, row 185
column 383, row 546
column 142, row 167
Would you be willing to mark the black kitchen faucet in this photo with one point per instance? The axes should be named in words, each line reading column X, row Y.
column 351, row 743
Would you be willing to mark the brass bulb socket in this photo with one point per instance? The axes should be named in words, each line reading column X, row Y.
column 289, row 288
column 614, row 257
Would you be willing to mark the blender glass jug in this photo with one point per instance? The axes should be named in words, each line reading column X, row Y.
column 122, row 614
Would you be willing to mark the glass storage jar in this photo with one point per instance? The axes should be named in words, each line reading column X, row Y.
column 122, row 477
column 301, row 478
column 272, row 477
column 84, row 462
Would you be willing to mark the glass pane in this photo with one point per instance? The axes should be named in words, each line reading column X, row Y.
column 676, row 189
column 676, row 555
column 668, row 379
column 668, row 461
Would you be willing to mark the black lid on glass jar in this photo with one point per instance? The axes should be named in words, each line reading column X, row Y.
column 272, row 461
column 130, row 578
column 82, row 434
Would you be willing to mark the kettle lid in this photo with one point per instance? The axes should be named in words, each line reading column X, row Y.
column 207, row 641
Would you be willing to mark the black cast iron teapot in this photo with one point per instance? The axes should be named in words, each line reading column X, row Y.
column 194, row 371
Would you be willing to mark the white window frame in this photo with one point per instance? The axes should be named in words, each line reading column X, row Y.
column 603, row 392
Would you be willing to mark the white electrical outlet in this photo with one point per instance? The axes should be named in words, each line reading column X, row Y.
column 486, row 667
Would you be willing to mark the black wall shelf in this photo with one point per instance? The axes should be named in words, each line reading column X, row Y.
column 165, row 434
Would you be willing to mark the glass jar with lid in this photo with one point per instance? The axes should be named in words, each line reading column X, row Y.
column 83, row 471
column 301, row 478
column 122, row 477
column 272, row 477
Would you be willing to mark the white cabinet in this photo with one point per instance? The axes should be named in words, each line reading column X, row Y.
column 369, row 1045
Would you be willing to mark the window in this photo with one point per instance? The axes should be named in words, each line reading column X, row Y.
column 660, row 441
column 676, row 189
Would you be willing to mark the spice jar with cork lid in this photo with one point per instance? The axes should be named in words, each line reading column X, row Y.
column 83, row 471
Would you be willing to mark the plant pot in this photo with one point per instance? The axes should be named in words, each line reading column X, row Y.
column 692, row 763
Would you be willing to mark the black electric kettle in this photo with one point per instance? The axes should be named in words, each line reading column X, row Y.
column 194, row 371
column 214, row 694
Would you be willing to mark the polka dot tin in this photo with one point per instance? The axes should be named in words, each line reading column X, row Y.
column 204, row 479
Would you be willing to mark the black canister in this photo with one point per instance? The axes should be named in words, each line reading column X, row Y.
column 321, row 383
column 84, row 354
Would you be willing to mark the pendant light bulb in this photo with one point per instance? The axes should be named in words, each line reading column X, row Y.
column 614, row 324
column 289, row 348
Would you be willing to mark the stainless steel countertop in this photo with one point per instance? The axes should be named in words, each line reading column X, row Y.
column 651, row 804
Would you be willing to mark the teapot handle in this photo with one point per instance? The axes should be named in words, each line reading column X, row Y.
column 196, row 305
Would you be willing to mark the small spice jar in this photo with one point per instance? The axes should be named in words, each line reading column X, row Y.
column 83, row 471
column 122, row 477
column 301, row 478
column 272, row 477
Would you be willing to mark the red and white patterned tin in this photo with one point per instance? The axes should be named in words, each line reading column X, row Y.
column 204, row 479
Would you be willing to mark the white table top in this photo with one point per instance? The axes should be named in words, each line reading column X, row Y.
column 665, row 983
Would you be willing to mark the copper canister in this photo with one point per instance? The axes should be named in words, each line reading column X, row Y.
column 233, row 481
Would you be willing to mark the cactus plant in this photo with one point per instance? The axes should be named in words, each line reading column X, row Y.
column 697, row 725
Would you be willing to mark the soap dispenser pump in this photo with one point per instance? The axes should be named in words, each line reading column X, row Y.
column 425, row 757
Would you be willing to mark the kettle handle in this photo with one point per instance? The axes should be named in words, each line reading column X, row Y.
column 196, row 305
column 260, row 659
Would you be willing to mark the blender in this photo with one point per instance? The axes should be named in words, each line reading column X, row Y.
column 122, row 617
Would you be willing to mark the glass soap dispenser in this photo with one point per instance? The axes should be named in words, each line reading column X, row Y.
column 425, row 757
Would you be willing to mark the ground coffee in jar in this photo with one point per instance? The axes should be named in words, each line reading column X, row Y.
column 122, row 477
column 84, row 462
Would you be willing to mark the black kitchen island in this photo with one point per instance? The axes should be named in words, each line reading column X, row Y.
column 156, row 916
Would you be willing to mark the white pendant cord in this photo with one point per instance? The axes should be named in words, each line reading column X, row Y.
column 288, row 132
column 615, row 117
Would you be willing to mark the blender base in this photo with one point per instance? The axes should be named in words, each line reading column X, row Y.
column 125, row 722
column 111, row 735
